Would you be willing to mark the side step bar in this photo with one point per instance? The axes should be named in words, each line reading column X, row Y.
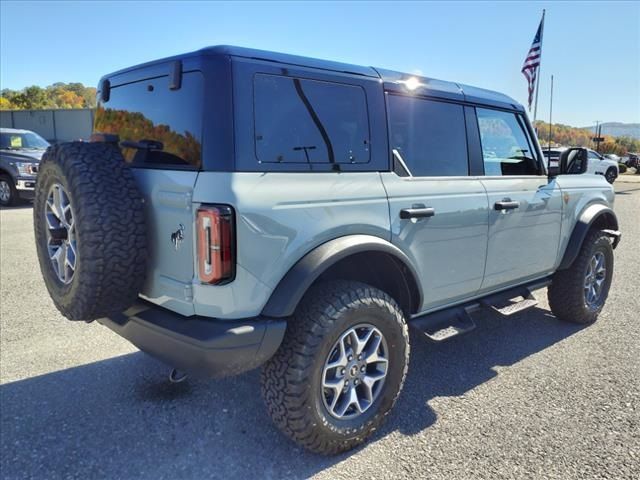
column 452, row 322
column 505, row 304
column 446, row 324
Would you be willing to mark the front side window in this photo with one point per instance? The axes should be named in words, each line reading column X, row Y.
column 594, row 156
column 309, row 121
column 506, row 149
column 429, row 136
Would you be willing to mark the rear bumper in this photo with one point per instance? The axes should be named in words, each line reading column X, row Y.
column 201, row 345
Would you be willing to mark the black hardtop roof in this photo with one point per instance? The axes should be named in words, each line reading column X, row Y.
column 425, row 86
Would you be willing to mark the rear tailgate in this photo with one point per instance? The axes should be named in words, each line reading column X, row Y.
column 170, row 230
column 159, row 126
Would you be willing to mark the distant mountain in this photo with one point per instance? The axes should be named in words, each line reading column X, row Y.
column 617, row 129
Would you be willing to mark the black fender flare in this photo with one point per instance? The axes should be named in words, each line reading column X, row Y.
column 592, row 214
column 285, row 297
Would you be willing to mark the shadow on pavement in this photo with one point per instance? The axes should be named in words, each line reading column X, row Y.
column 20, row 206
column 121, row 418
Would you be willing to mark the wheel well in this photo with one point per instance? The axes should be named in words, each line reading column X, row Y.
column 604, row 221
column 380, row 270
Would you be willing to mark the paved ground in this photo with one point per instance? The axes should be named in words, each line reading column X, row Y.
column 527, row 397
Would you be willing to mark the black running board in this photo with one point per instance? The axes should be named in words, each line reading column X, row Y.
column 446, row 324
column 514, row 300
column 455, row 321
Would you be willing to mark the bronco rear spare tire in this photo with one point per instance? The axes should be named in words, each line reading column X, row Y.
column 89, row 230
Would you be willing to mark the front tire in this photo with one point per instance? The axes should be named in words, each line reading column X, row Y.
column 340, row 368
column 8, row 192
column 579, row 293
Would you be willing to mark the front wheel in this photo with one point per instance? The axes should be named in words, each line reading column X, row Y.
column 8, row 192
column 578, row 293
column 340, row 367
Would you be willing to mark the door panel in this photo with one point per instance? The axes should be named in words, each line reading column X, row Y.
column 523, row 241
column 448, row 244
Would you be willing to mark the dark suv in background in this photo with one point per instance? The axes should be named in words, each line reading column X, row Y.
column 20, row 154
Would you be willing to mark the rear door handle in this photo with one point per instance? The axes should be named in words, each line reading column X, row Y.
column 506, row 205
column 424, row 212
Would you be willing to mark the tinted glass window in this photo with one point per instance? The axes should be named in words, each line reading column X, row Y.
column 430, row 136
column 308, row 121
column 156, row 125
column 505, row 146
column 594, row 155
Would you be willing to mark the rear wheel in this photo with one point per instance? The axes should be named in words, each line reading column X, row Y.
column 8, row 192
column 610, row 175
column 579, row 293
column 340, row 368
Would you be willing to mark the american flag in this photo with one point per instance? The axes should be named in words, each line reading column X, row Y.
column 532, row 62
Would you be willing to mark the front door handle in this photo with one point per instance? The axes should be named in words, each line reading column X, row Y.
column 506, row 205
column 423, row 212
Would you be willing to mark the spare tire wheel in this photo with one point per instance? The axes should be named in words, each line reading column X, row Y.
column 89, row 230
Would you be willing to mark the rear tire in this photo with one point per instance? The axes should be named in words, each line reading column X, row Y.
column 571, row 290
column 610, row 175
column 90, row 230
column 294, row 381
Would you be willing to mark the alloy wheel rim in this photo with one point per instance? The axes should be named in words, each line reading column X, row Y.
column 595, row 279
column 61, row 238
column 5, row 191
column 354, row 372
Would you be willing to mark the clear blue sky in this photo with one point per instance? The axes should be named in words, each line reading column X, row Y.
column 592, row 48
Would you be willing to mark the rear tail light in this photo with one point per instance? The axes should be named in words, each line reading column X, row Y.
column 216, row 244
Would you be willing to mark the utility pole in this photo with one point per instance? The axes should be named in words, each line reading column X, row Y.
column 598, row 135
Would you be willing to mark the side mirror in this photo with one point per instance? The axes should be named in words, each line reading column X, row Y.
column 573, row 161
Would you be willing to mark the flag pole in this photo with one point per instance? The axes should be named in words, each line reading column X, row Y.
column 550, row 114
column 535, row 107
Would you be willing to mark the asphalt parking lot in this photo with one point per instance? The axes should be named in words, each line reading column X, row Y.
column 523, row 397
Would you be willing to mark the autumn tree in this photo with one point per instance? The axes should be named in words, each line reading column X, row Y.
column 58, row 95
column 565, row 135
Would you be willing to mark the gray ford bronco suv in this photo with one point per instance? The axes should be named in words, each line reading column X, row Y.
column 238, row 208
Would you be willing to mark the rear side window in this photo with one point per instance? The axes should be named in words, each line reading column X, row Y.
column 429, row 135
column 308, row 121
column 156, row 125
column 506, row 148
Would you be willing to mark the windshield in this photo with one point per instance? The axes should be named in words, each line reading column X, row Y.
column 22, row 140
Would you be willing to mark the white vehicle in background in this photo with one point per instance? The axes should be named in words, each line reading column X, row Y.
column 597, row 164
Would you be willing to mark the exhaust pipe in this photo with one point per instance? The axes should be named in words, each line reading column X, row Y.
column 176, row 376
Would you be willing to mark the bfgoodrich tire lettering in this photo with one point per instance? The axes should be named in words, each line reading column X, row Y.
column 567, row 292
column 292, row 379
column 109, row 229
